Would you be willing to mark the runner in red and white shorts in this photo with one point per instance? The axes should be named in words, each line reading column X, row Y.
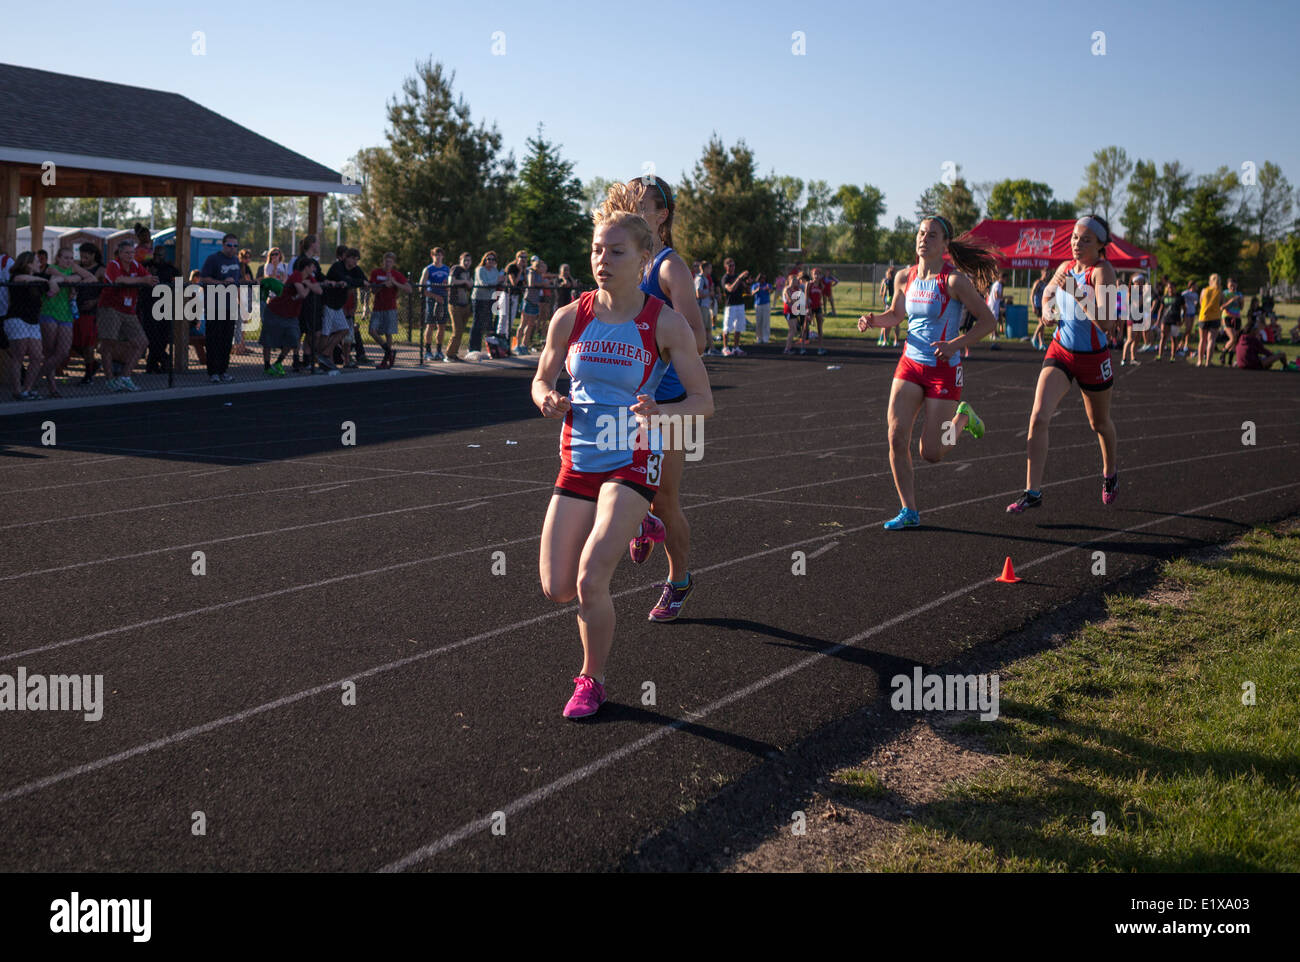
column 930, row 297
column 1080, row 298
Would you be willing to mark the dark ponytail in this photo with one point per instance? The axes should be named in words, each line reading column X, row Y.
column 971, row 255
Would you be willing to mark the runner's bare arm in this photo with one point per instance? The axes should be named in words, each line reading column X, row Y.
column 677, row 282
column 677, row 345
column 549, row 401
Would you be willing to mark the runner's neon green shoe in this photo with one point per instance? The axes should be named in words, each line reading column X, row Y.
column 974, row 424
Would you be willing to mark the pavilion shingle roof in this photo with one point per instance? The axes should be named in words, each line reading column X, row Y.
column 136, row 124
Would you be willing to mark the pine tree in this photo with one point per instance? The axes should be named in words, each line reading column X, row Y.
column 724, row 209
column 547, row 215
column 1205, row 240
column 439, row 181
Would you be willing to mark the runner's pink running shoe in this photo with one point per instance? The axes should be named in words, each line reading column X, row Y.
column 588, row 696
column 1109, row 485
column 652, row 532
column 671, row 601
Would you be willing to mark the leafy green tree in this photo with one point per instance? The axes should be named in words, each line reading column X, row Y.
column 1284, row 267
column 1269, row 202
column 1141, row 212
column 725, row 209
column 899, row 244
column 1103, row 181
column 1026, row 200
column 953, row 201
column 1205, row 240
column 1174, row 191
column 546, row 215
column 440, row 180
column 860, row 210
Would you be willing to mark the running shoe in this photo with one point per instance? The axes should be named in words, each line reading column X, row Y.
column 726, row 352
column 1026, row 501
column 129, row 385
column 225, row 379
column 1109, row 485
column 588, row 696
column 974, row 423
column 212, row 379
column 821, row 350
column 439, row 356
column 906, row 518
column 737, row 352
column 428, row 357
column 115, row 384
column 325, row 362
column 651, row 532
column 671, row 601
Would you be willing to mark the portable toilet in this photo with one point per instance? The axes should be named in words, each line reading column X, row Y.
column 204, row 241
column 51, row 239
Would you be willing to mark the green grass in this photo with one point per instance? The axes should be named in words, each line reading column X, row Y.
column 861, row 783
column 1141, row 719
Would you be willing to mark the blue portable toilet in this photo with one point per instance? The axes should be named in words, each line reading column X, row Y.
column 1017, row 320
column 204, row 241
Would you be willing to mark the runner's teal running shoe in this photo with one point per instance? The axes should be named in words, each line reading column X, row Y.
column 975, row 425
column 907, row 518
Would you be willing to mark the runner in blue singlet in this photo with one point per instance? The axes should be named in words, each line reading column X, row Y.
column 614, row 343
column 669, row 279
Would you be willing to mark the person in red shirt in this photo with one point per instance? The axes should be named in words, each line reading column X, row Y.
column 828, row 291
column 386, row 281
column 815, row 292
column 1251, row 353
column 280, row 326
column 121, row 337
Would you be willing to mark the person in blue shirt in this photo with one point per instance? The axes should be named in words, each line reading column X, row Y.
column 433, row 285
column 762, row 292
column 222, row 314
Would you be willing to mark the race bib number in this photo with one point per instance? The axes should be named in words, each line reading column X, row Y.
column 960, row 376
column 1105, row 369
column 652, row 470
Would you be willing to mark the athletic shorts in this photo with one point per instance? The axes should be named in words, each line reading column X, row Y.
column 279, row 333
column 943, row 381
column 585, row 485
column 332, row 321
column 116, row 326
column 1092, row 368
column 734, row 320
column 47, row 319
column 532, row 309
column 16, row 329
column 435, row 311
column 383, row 322
column 1208, row 325
column 1232, row 323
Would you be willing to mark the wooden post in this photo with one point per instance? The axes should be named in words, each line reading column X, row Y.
column 180, row 326
column 38, row 214
column 9, row 209
column 316, row 218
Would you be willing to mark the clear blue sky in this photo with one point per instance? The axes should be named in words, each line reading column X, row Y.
column 884, row 95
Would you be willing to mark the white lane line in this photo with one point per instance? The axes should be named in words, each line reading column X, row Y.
column 362, row 574
column 334, row 686
column 334, row 487
column 822, row 550
column 586, row 771
column 476, row 504
column 267, row 533
column 203, row 474
column 963, row 465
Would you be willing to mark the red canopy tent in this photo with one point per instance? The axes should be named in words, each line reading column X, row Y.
column 1032, row 244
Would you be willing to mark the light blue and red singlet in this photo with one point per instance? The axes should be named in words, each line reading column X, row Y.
column 932, row 315
column 671, row 388
column 1078, row 347
column 608, row 366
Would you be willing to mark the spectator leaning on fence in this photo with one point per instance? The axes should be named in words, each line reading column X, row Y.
column 459, row 280
column 504, row 308
column 57, row 317
column 433, row 288
column 22, row 324
column 310, row 319
column 358, row 278
column 535, row 281
column 221, row 271
column 386, row 281
column 334, row 322
column 121, row 338
column 486, row 279
column 158, row 331
column 280, row 324
column 85, row 335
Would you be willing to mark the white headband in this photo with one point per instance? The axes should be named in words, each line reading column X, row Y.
column 1096, row 227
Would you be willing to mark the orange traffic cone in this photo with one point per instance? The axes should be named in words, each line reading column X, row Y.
column 1008, row 575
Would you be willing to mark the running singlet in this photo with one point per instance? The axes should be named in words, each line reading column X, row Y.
column 1074, row 331
column 931, row 316
column 670, row 387
column 609, row 365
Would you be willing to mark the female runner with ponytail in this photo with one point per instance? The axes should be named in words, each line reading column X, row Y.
column 930, row 297
column 615, row 343
column 1079, row 349
column 668, row 278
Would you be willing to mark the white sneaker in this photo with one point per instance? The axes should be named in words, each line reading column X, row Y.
column 225, row 378
column 129, row 384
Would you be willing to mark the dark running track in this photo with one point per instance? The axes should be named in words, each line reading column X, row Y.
column 373, row 564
